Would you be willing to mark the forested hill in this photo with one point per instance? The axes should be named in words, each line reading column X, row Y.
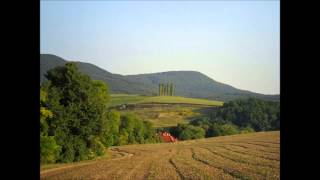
column 187, row 83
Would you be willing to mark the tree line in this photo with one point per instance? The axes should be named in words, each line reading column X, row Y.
column 166, row 89
column 75, row 122
column 235, row 117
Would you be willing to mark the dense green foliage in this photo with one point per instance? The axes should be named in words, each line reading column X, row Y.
column 187, row 131
column 75, row 123
column 49, row 150
column 258, row 114
column 78, row 105
column 241, row 116
column 186, row 83
column 133, row 130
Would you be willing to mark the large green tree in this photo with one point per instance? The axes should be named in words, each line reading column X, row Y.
column 79, row 107
column 49, row 150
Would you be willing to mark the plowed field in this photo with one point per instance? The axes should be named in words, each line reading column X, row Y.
column 244, row 156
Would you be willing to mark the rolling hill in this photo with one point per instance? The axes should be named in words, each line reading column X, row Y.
column 187, row 83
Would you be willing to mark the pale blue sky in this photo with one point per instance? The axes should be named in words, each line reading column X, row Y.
column 234, row 42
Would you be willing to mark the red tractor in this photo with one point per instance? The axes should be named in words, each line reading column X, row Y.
column 167, row 137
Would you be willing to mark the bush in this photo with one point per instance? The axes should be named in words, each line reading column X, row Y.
column 259, row 114
column 219, row 129
column 96, row 146
column 186, row 132
column 214, row 130
column 228, row 129
column 123, row 139
column 246, row 130
column 49, row 150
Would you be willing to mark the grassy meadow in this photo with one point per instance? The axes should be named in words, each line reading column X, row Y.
column 167, row 116
column 118, row 99
column 242, row 156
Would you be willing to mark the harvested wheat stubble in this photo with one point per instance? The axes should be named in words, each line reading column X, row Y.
column 245, row 156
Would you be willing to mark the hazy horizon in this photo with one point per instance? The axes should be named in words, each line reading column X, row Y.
column 232, row 42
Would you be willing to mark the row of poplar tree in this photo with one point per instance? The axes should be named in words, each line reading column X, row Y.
column 166, row 89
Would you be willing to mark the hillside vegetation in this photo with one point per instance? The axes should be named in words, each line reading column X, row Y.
column 75, row 123
column 169, row 116
column 245, row 156
column 182, row 100
column 177, row 109
column 187, row 83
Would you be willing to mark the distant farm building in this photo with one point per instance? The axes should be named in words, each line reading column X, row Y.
column 167, row 137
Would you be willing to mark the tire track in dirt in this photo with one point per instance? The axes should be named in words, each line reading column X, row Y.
column 237, row 169
column 65, row 167
column 237, row 160
column 52, row 172
column 254, row 147
column 209, row 170
column 267, row 142
column 226, row 171
column 161, row 168
column 136, row 167
column 176, row 169
column 125, row 153
column 262, row 145
column 123, row 164
column 249, row 154
column 170, row 161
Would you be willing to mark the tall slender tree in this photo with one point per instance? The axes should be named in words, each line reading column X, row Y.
column 159, row 89
column 164, row 90
column 172, row 89
column 168, row 89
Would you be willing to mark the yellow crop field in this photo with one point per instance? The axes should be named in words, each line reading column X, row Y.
column 242, row 156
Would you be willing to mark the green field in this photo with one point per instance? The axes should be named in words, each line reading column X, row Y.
column 167, row 116
column 118, row 99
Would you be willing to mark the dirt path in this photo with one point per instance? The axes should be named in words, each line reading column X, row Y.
column 114, row 151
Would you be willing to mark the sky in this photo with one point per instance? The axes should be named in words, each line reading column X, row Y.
column 233, row 42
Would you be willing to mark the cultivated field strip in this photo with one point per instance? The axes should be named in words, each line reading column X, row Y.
column 245, row 156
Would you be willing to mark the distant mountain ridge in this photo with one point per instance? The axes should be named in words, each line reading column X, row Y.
column 187, row 83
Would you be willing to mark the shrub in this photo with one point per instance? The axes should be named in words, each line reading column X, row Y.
column 96, row 146
column 49, row 150
column 186, row 132
column 228, row 129
column 246, row 130
column 219, row 129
